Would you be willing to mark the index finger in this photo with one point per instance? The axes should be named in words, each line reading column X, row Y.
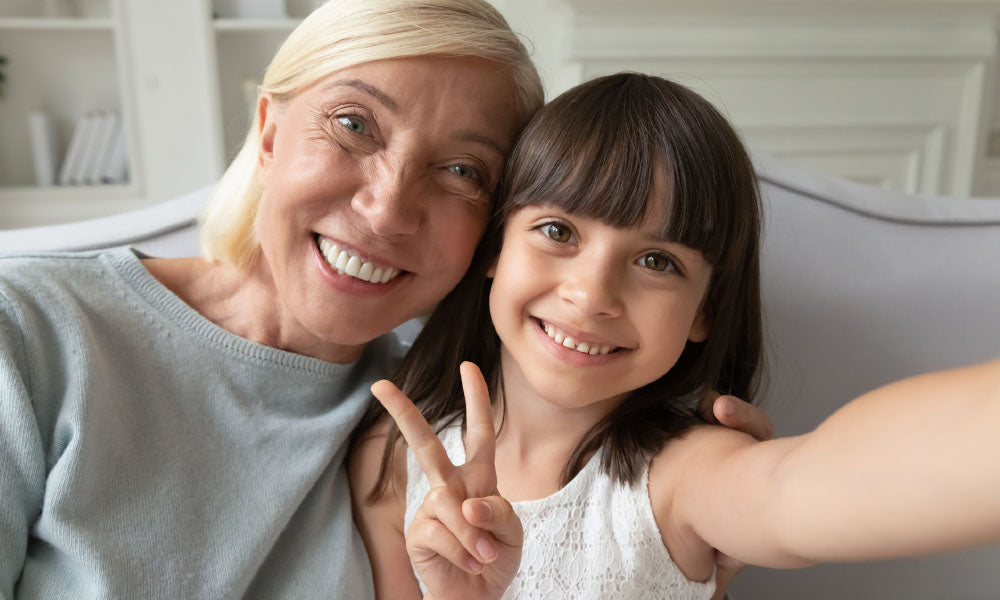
column 480, row 432
column 426, row 446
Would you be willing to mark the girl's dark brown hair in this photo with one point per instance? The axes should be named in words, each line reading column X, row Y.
column 594, row 152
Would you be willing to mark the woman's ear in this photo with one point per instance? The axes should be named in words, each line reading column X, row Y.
column 266, row 130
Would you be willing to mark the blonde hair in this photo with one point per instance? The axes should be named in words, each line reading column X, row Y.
column 341, row 34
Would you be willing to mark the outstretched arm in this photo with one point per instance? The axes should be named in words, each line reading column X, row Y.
column 910, row 468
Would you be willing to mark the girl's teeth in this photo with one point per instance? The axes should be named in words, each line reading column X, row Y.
column 569, row 342
column 344, row 263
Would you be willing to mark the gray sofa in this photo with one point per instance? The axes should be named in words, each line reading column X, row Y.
column 861, row 286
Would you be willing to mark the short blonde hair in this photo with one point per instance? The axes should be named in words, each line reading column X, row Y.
column 341, row 34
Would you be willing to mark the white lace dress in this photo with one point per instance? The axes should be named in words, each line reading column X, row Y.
column 593, row 539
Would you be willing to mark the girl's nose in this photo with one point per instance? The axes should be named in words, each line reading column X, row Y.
column 390, row 201
column 593, row 288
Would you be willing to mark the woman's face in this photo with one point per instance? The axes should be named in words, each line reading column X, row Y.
column 377, row 184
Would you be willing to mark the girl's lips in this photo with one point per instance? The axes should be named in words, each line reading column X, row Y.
column 582, row 343
column 571, row 356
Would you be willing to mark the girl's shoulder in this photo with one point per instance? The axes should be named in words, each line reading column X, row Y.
column 365, row 467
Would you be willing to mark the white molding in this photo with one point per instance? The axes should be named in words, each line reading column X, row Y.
column 601, row 38
column 949, row 13
column 905, row 158
column 885, row 65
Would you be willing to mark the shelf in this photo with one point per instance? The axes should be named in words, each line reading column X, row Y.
column 255, row 25
column 53, row 24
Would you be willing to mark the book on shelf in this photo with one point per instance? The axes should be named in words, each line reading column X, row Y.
column 97, row 153
column 116, row 164
column 74, row 152
column 44, row 148
column 103, row 138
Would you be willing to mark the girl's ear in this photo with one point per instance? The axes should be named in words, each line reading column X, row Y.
column 700, row 328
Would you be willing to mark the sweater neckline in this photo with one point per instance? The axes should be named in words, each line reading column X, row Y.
column 127, row 262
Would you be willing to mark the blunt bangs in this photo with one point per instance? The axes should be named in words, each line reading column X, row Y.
column 596, row 153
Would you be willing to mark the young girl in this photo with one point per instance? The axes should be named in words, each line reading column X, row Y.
column 621, row 281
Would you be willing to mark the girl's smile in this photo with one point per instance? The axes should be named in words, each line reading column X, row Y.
column 573, row 349
column 588, row 311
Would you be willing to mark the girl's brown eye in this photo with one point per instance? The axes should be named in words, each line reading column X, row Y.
column 557, row 232
column 655, row 262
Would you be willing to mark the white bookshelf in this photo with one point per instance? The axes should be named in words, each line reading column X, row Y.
column 110, row 55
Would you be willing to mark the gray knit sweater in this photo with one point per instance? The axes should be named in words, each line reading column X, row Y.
column 147, row 453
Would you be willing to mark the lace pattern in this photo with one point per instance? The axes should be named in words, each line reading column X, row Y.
column 592, row 539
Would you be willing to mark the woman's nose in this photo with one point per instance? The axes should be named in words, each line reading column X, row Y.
column 389, row 202
column 593, row 288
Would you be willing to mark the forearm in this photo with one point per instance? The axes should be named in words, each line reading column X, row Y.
column 910, row 468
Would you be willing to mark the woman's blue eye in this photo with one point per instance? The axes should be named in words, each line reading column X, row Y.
column 353, row 123
column 655, row 262
column 557, row 232
column 464, row 171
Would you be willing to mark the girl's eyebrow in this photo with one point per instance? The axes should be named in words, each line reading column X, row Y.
column 383, row 98
column 658, row 237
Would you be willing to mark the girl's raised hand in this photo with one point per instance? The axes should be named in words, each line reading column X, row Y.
column 465, row 540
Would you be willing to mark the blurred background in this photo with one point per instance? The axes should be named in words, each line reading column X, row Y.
column 107, row 105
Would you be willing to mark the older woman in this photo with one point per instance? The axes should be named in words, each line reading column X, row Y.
column 176, row 428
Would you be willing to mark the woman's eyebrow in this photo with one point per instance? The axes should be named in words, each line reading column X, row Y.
column 383, row 98
column 467, row 135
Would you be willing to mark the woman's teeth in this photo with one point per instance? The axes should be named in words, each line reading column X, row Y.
column 568, row 342
column 345, row 263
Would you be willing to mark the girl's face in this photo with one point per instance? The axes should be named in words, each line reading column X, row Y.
column 588, row 312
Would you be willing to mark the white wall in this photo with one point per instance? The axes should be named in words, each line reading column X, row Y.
column 895, row 93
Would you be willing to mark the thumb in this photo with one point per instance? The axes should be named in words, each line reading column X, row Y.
column 496, row 515
column 736, row 414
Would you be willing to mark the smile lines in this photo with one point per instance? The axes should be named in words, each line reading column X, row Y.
column 561, row 338
column 345, row 263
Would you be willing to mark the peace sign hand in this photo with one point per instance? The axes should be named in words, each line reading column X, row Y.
column 465, row 540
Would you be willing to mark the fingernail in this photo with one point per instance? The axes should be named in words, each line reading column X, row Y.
column 727, row 407
column 475, row 566
column 486, row 550
column 482, row 511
